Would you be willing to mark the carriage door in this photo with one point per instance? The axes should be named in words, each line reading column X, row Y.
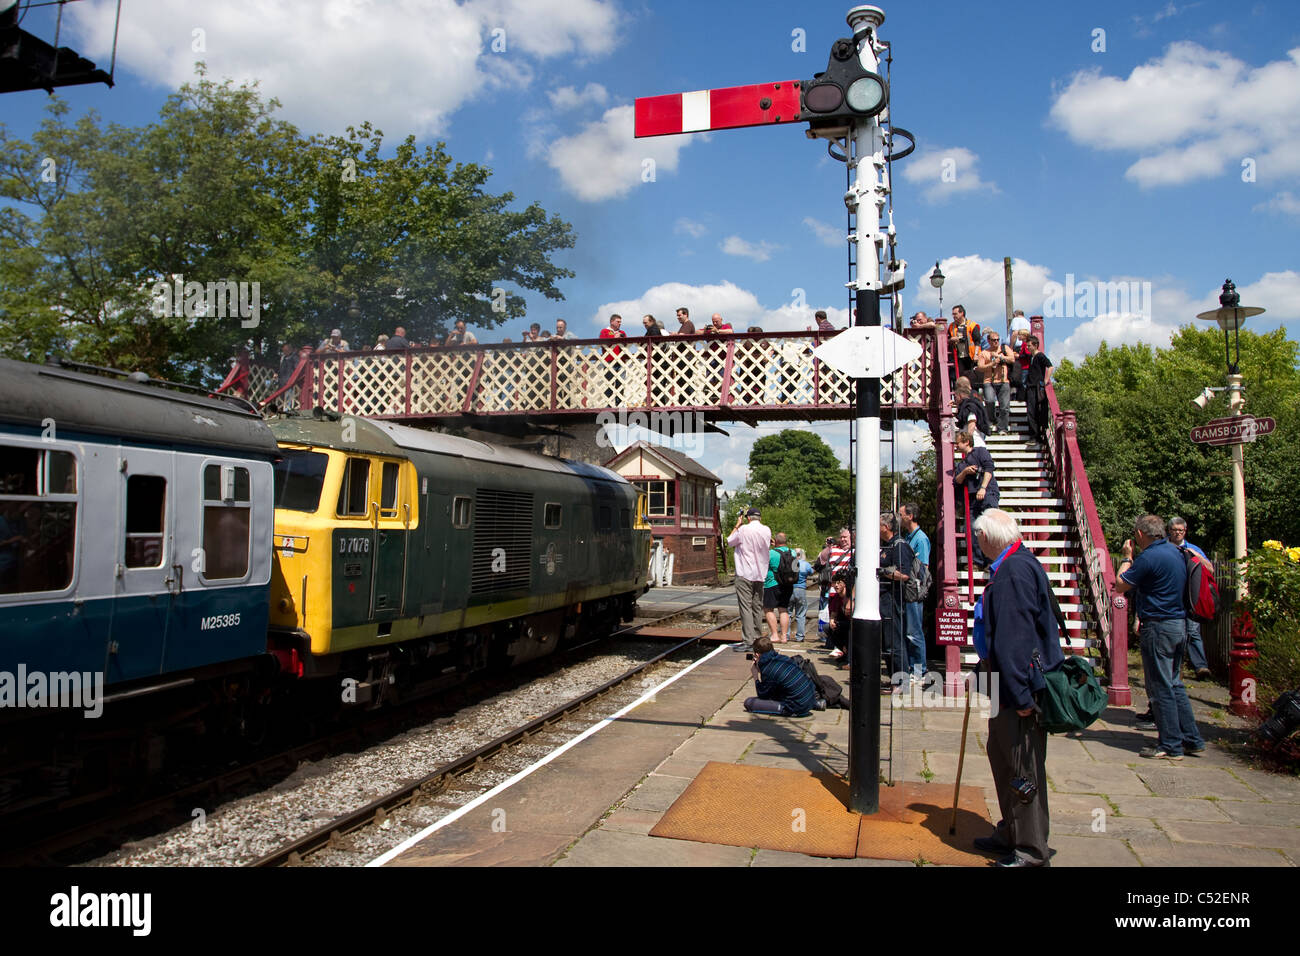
column 393, row 515
column 435, row 516
column 145, row 578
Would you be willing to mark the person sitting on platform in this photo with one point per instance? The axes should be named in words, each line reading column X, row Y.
column 781, row 687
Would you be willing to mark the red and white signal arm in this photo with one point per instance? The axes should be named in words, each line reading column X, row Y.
column 760, row 104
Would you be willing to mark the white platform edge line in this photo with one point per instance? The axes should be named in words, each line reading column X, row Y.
column 507, row 784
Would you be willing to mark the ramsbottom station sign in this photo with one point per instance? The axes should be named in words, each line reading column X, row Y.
column 1232, row 431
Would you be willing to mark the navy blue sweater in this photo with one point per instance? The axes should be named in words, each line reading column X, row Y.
column 1018, row 620
column 784, row 680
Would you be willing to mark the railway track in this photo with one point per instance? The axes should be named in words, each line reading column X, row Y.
column 51, row 840
column 377, row 811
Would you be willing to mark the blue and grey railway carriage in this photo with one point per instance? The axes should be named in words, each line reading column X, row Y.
column 135, row 528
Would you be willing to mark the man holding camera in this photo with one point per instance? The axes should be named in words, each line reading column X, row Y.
column 750, row 539
column 780, row 685
column 1022, row 642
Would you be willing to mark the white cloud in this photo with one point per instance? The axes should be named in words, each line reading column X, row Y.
column 946, row 172
column 1284, row 202
column 1115, row 330
column 605, row 160
column 827, row 235
column 690, row 227
column 1189, row 115
column 570, row 98
column 406, row 66
column 738, row 306
column 758, row 251
column 1172, row 308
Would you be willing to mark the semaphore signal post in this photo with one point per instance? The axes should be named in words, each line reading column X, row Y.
column 848, row 102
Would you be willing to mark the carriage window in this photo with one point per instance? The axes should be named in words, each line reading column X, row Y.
column 606, row 519
column 299, row 476
column 388, row 488
column 227, row 515
column 38, row 519
column 146, row 505
column 553, row 514
column 354, row 498
column 624, row 518
column 461, row 512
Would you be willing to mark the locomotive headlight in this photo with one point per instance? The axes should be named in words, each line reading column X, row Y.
column 866, row 94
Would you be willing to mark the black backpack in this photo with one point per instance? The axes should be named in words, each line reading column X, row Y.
column 828, row 688
column 786, row 573
column 971, row 405
column 917, row 586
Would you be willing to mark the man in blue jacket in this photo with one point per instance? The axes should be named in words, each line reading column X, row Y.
column 1159, row 574
column 1021, row 635
column 782, row 688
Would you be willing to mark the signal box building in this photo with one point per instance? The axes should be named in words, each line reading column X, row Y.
column 682, row 502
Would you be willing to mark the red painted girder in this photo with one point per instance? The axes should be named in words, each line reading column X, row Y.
column 760, row 104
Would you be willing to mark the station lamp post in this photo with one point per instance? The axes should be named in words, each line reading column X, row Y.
column 936, row 280
column 1230, row 315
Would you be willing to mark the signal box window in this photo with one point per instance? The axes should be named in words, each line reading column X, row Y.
column 388, row 489
column 354, row 496
column 146, row 506
column 38, row 519
column 553, row 511
column 227, row 516
column 462, row 511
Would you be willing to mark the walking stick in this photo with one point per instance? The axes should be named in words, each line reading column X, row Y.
column 961, row 759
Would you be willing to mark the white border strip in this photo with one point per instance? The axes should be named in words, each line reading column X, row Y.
column 507, row 784
column 696, row 112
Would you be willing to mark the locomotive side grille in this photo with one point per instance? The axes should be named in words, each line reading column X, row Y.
column 503, row 538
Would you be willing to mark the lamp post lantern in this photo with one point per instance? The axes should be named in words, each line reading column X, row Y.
column 936, row 280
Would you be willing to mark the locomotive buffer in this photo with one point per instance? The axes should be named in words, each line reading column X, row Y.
column 848, row 101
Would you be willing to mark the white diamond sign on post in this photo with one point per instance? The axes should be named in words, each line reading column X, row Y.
column 864, row 351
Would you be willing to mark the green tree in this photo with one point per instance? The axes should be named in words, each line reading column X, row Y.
column 798, row 465
column 219, row 189
column 1135, row 415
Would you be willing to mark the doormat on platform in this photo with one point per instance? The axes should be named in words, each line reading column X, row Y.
column 804, row 812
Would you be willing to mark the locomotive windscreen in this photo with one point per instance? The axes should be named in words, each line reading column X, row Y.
column 299, row 476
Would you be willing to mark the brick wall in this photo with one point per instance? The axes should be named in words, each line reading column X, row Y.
column 692, row 565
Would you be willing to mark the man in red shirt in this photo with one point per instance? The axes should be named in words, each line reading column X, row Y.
column 613, row 368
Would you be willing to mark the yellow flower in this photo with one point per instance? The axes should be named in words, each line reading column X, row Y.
column 1293, row 554
column 1274, row 545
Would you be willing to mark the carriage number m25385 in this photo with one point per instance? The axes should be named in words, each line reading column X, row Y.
column 219, row 620
column 354, row 545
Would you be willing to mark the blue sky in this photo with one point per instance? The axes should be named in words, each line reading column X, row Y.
column 1144, row 142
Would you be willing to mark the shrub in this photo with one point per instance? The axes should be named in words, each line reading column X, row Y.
column 1273, row 601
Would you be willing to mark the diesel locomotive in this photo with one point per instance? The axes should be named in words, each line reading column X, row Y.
column 155, row 539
